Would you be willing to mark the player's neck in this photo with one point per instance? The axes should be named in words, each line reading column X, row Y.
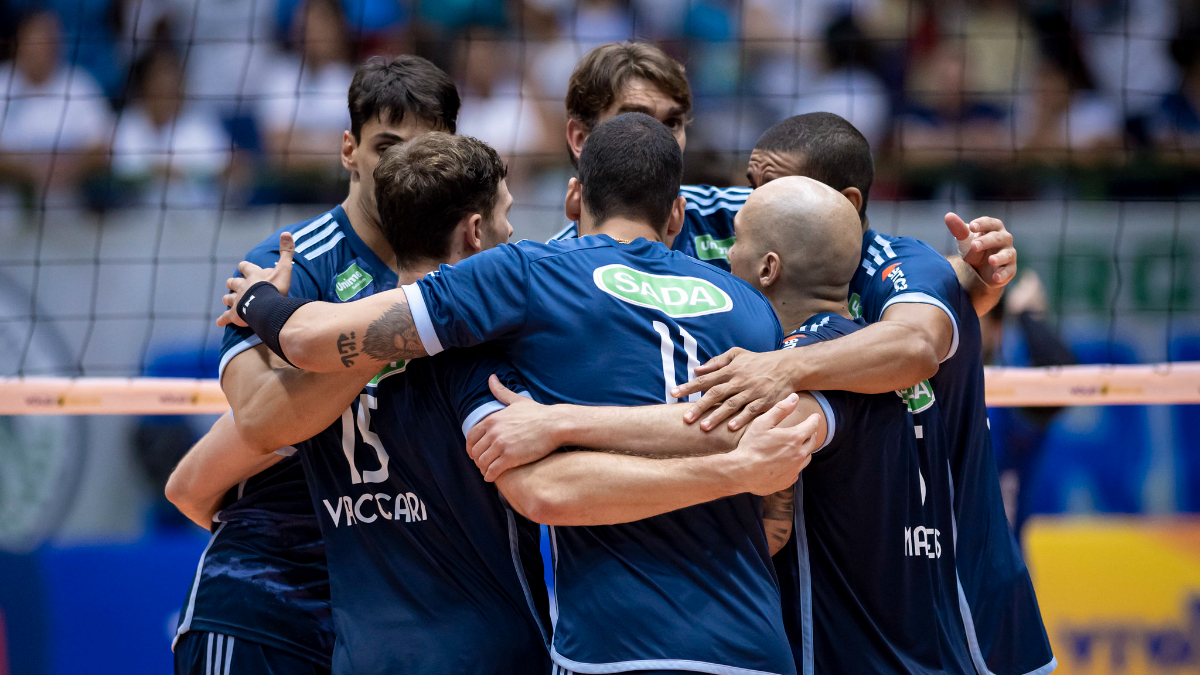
column 366, row 226
column 794, row 310
column 624, row 229
column 411, row 273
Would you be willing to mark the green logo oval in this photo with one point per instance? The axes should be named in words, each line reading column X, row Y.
column 673, row 296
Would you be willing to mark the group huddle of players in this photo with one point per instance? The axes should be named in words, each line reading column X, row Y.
column 754, row 426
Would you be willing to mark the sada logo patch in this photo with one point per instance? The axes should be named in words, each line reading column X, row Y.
column 673, row 296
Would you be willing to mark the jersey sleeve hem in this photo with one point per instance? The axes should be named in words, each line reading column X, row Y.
column 420, row 315
column 926, row 299
column 252, row 341
column 830, row 420
column 483, row 411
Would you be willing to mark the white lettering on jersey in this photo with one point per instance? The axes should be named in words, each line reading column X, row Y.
column 368, row 508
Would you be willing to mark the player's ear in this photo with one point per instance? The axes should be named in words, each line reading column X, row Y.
column 770, row 269
column 472, row 234
column 573, row 206
column 855, row 196
column 675, row 220
column 577, row 133
column 348, row 147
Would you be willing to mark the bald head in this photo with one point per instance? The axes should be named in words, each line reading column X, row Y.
column 811, row 230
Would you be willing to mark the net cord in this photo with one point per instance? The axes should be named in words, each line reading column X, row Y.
column 1152, row 384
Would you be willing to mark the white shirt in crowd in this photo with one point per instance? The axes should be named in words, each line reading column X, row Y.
column 67, row 112
column 296, row 97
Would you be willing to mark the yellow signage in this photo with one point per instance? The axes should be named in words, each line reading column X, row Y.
column 1118, row 595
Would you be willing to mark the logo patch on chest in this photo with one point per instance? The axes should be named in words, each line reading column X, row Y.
column 673, row 296
column 351, row 281
column 708, row 248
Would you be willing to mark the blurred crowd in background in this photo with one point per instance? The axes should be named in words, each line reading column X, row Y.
column 109, row 103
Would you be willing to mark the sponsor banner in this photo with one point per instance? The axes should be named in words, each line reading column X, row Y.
column 1118, row 595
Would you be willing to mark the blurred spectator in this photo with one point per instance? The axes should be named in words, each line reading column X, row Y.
column 500, row 105
column 227, row 46
column 1019, row 433
column 999, row 48
column 595, row 22
column 1177, row 122
column 56, row 120
column 848, row 87
column 943, row 120
column 304, row 97
column 170, row 148
column 1063, row 120
column 1125, row 44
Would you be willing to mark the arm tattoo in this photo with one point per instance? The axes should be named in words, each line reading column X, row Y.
column 778, row 510
column 393, row 336
column 348, row 348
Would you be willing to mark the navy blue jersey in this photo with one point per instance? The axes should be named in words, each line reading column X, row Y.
column 431, row 572
column 868, row 578
column 1004, row 624
column 590, row 321
column 707, row 232
column 263, row 576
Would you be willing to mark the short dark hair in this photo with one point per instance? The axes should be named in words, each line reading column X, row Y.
column 603, row 72
column 423, row 188
column 631, row 166
column 830, row 149
column 389, row 90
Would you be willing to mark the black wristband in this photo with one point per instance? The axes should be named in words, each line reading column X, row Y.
column 265, row 311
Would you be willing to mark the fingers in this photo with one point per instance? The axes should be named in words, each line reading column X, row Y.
column 486, row 460
column 748, row 414
column 287, row 249
column 702, row 383
column 716, row 363
column 992, row 241
column 474, row 447
column 228, row 299
column 986, row 224
column 777, row 413
column 724, row 411
column 228, row 317
column 503, row 393
column 957, row 226
column 713, row 395
column 495, row 469
column 247, row 268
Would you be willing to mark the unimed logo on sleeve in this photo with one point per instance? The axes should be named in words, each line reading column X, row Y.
column 673, row 296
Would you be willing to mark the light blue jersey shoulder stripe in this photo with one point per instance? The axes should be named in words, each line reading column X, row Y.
column 317, row 238
column 737, row 197
column 651, row 664
column 722, row 205
column 926, row 299
column 420, row 314
column 830, row 420
column 317, row 222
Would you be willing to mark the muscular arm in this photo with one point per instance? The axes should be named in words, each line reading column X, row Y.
column 275, row 405
column 361, row 336
column 218, row 461
column 596, row 488
column 902, row 349
column 526, row 431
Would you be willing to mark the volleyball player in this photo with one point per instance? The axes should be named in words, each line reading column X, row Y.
column 259, row 601
column 639, row 77
column 923, row 341
column 698, row 587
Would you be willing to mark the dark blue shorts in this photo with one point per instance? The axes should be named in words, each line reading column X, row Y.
column 203, row 653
